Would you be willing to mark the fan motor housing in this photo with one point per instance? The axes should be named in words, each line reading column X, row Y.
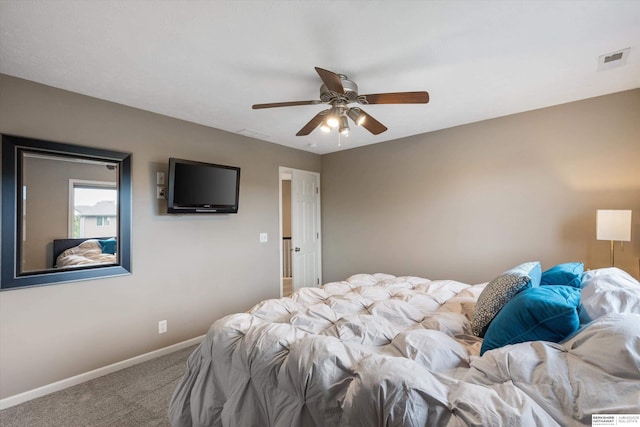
column 350, row 91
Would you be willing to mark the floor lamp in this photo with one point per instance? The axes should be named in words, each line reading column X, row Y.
column 613, row 225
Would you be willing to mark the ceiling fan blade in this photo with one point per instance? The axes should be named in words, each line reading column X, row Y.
column 372, row 125
column 312, row 124
column 284, row 104
column 395, row 98
column 331, row 80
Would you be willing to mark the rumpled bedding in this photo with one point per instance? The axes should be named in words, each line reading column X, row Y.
column 88, row 252
column 398, row 351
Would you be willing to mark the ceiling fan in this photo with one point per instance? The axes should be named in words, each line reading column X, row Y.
column 338, row 91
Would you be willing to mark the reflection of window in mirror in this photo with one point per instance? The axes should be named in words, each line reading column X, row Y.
column 93, row 208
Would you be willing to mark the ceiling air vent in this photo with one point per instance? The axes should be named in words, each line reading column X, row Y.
column 613, row 59
column 253, row 134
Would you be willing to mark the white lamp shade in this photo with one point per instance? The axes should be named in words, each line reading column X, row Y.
column 613, row 225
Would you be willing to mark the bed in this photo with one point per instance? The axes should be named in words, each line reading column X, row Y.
column 78, row 252
column 377, row 349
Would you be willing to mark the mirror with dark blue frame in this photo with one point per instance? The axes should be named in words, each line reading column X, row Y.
column 66, row 212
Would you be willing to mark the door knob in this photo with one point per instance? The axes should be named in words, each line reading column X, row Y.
column 297, row 249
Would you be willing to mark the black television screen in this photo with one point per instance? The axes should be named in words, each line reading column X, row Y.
column 196, row 187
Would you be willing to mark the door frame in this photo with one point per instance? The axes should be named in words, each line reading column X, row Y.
column 285, row 173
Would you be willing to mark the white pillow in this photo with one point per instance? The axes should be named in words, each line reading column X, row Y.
column 609, row 271
column 607, row 291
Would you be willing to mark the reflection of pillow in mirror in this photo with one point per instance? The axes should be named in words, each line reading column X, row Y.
column 89, row 244
column 108, row 246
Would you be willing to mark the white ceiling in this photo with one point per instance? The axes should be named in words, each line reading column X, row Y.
column 208, row 61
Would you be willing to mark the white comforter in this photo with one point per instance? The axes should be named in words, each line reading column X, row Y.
column 88, row 252
column 398, row 351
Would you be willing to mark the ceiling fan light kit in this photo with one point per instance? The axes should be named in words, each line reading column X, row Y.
column 344, row 126
column 338, row 91
column 356, row 115
column 324, row 127
column 333, row 118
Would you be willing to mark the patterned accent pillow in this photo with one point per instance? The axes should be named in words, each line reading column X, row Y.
column 500, row 290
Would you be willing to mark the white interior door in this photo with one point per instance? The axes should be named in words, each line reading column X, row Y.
column 305, row 229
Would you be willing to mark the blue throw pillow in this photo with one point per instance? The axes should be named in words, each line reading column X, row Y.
column 545, row 313
column 108, row 246
column 500, row 290
column 568, row 274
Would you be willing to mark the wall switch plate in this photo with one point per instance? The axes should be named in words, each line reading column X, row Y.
column 160, row 192
column 160, row 178
column 162, row 326
column 264, row 237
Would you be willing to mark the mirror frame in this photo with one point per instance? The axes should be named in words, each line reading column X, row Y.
column 11, row 278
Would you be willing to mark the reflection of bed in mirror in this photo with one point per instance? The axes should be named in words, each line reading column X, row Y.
column 68, row 253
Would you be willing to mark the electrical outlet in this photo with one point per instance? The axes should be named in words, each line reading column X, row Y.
column 160, row 194
column 264, row 237
column 162, row 326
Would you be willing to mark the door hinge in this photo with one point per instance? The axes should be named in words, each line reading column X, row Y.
column 317, row 190
column 318, row 280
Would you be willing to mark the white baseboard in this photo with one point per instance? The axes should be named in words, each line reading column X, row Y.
column 17, row 399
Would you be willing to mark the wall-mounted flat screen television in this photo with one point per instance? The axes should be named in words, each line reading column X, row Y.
column 197, row 187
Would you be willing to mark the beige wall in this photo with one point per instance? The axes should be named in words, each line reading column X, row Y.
column 469, row 202
column 189, row 270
